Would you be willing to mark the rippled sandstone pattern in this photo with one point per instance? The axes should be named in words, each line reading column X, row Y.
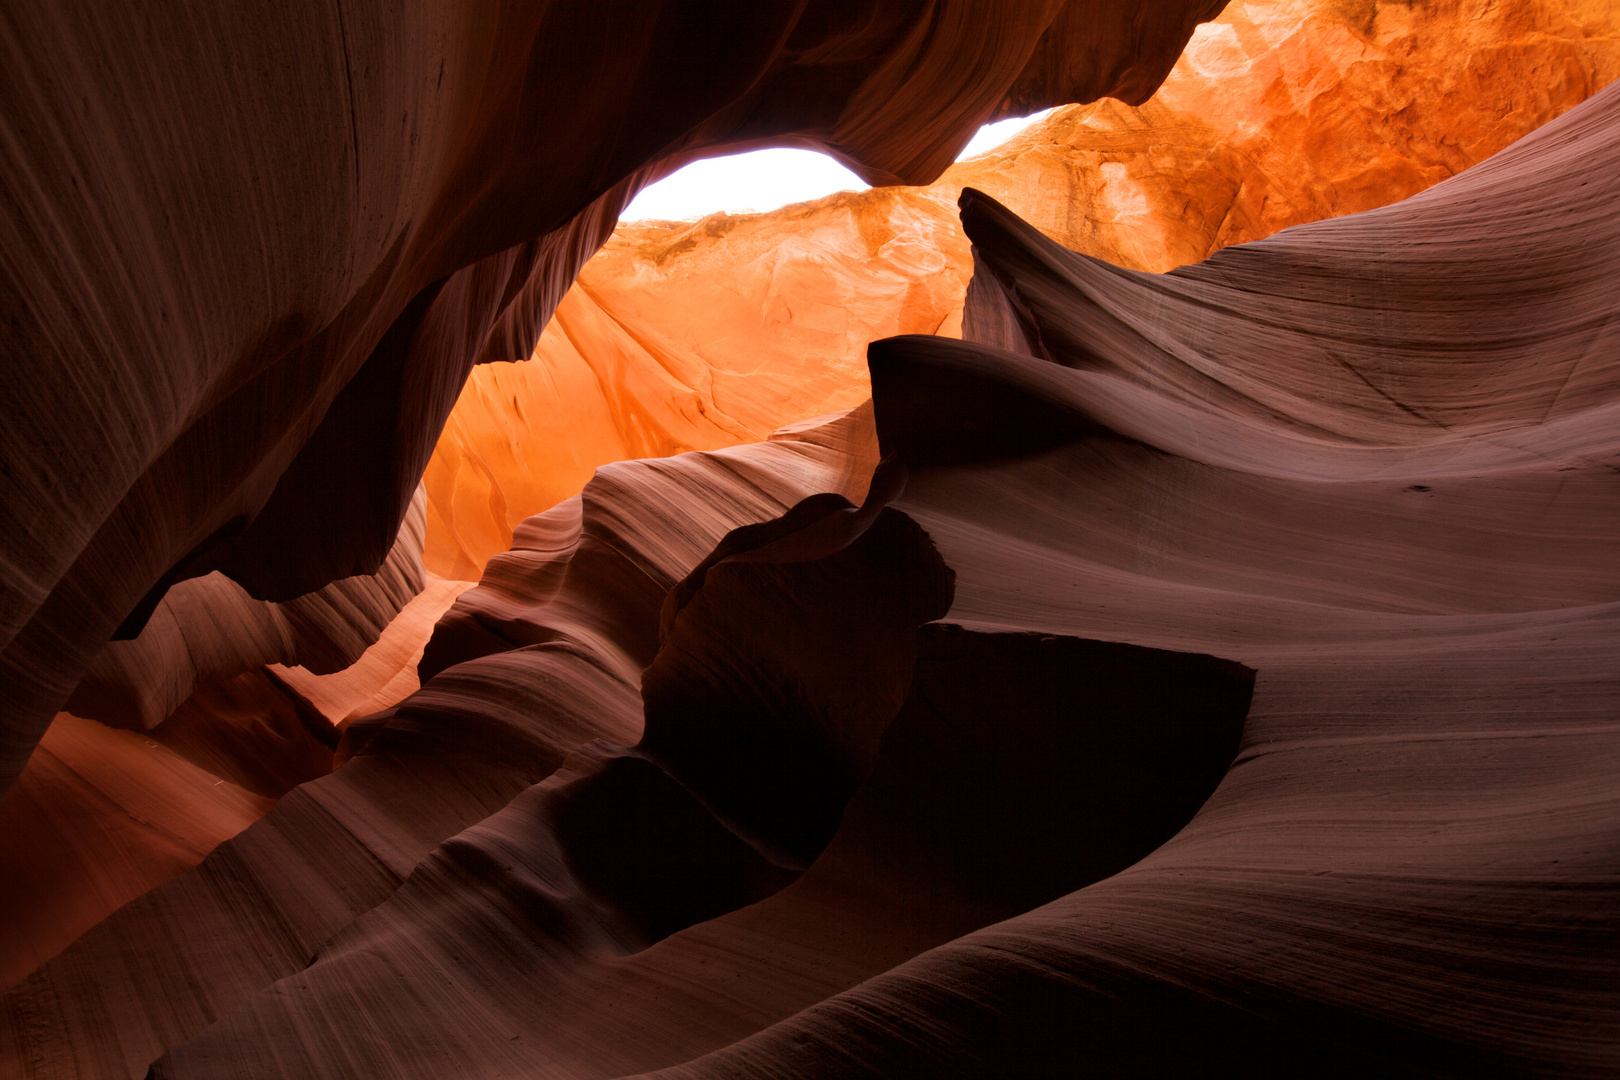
column 1395, row 858
column 1271, row 726
column 249, row 257
column 694, row 336
column 205, row 678
column 206, row 630
column 251, row 253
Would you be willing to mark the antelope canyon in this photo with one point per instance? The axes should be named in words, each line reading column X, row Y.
column 1143, row 600
column 682, row 335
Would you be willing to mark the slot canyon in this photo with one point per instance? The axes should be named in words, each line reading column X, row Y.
column 1142, row 600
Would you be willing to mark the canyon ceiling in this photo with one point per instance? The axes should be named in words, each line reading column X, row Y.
column 1145, row 599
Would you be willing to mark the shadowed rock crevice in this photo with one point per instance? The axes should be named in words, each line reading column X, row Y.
column 1368, row 458
column 1019, row 767
column 778, row 679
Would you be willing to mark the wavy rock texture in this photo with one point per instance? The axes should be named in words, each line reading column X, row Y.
column 1374, row 459
column 547, row 655
column 98, row 818
column 200, row 680
column 252, row 254
column 686, row 339
column 206, row 630
column 1369, row 462
column 934, row 844
column 1054, row 862
column 386, row 673
column 694, row 336
column 1269, row 456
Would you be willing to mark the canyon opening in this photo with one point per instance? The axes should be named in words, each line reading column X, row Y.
column 1108, row 565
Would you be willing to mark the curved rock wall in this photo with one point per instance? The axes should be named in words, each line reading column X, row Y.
column 543, row 657
column 1367, row 461
column 251, row 253
column 1272, row 728
column 208, row 629
column 695, row 336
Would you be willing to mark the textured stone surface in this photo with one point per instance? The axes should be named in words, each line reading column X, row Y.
column 1271, row 728
column 1055, row 862
column 688, row 338
column 695, row 336
column 208, row 629
column 251, row 254
column 543, row 657
column 98, row 818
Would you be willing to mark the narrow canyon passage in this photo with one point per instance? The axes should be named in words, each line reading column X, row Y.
column 1142, row 599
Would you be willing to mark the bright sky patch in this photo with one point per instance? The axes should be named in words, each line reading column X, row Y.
column 767, row 179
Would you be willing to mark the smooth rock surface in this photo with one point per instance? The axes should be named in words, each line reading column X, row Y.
column 547, row 654
column 1407, row 869
column 699, row 335
column 100, row 817
column 206, row 630
column 1271, row 728
column 251, row 254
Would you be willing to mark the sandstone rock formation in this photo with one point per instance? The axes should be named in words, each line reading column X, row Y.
column 208, row 629
column 688, row 338
column 205, row 679
column 252, row 253
column 1207, row 672
column 546, row 655
column 1288, row 111
column 694, row 336
column 100, row 817
column 1341, row 456
column 1054, row 861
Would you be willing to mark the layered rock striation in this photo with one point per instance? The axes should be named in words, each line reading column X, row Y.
column 699, row 335
column 1270, row 727
column 252, row 254
column 1195, row 672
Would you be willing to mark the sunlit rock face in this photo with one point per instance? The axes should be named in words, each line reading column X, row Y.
column 686, row 336
column 1295, row 110
column 1163, row 674
column 1285, row 112
column 1269, row 728
column 242, row 296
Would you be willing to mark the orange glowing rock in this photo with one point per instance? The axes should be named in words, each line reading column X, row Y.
column 1287, row 111
column 385, row 674
column 682, row 336
column 690, row 337
column 99, row 817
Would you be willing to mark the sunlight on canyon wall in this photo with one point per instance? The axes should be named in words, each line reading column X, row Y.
column 1049, row 663
column 683, row 336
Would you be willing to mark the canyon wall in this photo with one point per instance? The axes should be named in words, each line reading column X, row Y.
column 1270, row 725
column 252, row 254
column 1190, row 672
column 250, row 257
column 699, row 335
